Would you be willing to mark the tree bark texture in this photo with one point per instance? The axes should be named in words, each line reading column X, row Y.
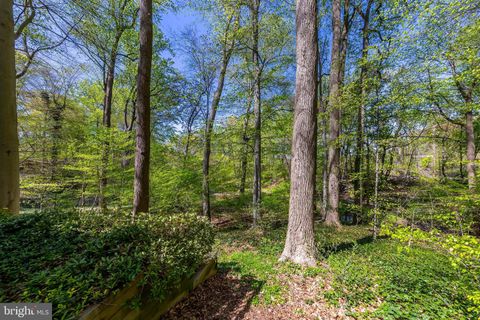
column 9, row 157
column 300, row 242
column 141, row 188
column 332, row 218
column 257, row 148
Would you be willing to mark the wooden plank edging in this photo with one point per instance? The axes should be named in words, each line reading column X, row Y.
column 116, row 308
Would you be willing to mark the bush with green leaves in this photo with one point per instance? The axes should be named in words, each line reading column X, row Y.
column 75, row 259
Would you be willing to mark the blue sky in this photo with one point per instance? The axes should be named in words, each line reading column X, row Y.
column 173, row 23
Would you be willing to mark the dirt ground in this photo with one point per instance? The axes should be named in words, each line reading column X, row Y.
column 225, row 296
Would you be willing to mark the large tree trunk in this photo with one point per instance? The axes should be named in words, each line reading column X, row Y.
column 257, row 156
column 9, row 158
column 141, row 192
column 470, row 150
column 332, row 217
column 300, row 242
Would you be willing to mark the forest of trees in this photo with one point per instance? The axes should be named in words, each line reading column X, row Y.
column 324, row 119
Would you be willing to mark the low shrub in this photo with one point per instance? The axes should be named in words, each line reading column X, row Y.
column 74, row 259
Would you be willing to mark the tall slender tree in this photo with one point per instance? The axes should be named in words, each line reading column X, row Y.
column 227, row 45
column 9, row 158
column 101, row 40
column 332, row 217
column 245, row 139
column 141, row 192
column 257, row 147
column 300, row 242
column 359, row 156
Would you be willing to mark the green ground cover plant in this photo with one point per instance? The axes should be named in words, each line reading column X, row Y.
column 74, row 259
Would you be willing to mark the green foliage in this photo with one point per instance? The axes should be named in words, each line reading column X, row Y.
column 74, row 259
column 176, row 189
column 370, row 279
column 463, row 253
column 426, row 162
column 263, row 269
column 175, row 181
column 399, row 284
column 430, row 204
column 275, row 201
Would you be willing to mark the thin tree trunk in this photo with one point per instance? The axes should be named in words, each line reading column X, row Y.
column 9, row 157
column 383, row 157
column 208, row 140
column 257, row 154
column 368, row 169
column 377, row 174
column 300, row 241
column 187, row 145
column 345, row 29
column 410, row 161
column 443, row 161
column 332, row 218
column 466, row 94
column 56, row 115
column 227, row 53
column 107, row 119
column 470, row 150
column 109, row 83
column 190, row 122
column 141, row 187
column 325, row 168
column 244, row 161
column 388, row 171
column 460, row 165
column 132, row 100
column 323, row 109
column 45, row 97
column 358, row 182
column 377, row 178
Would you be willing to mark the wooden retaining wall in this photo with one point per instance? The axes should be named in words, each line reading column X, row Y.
column 116, row 308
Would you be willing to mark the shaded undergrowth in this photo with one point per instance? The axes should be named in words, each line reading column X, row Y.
column 367, row 278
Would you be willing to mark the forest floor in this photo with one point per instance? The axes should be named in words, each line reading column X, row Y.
column 356, row 277
column 251, row 284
